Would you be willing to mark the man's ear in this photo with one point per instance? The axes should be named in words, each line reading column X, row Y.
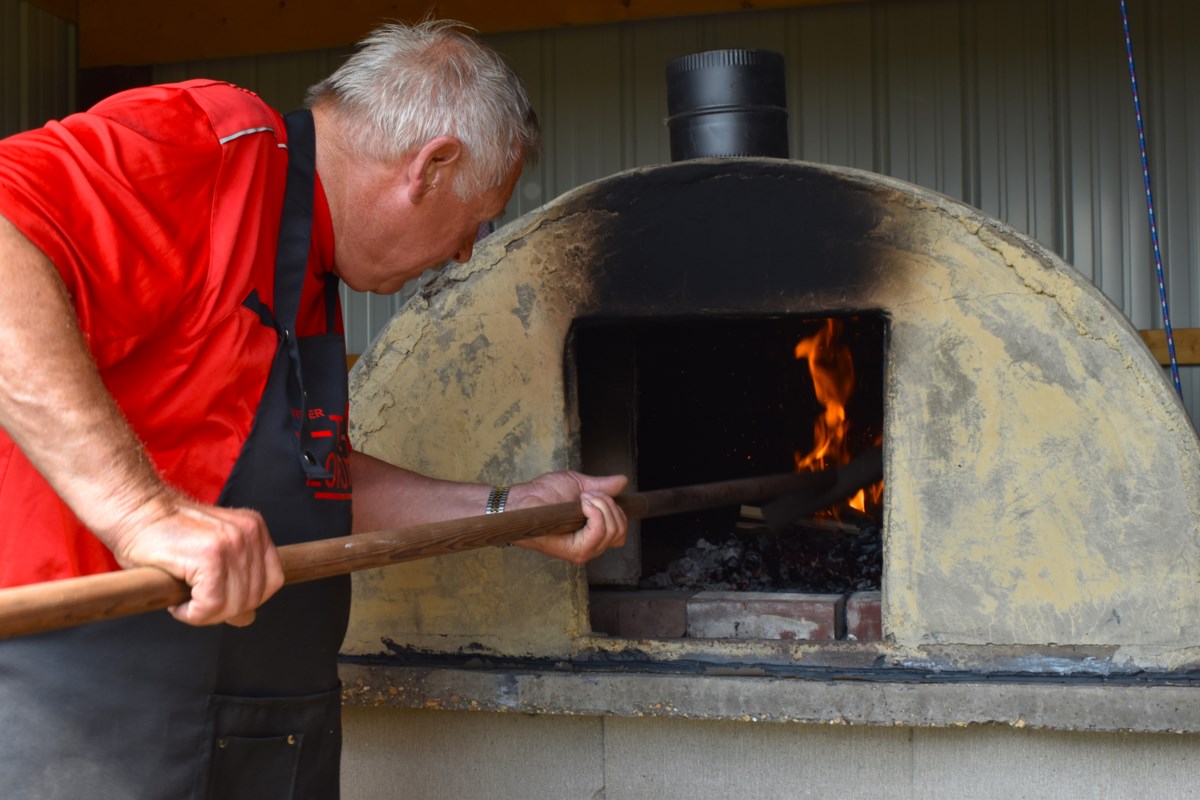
column 434, row 166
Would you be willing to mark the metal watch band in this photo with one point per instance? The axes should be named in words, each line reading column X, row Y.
column 496, row 500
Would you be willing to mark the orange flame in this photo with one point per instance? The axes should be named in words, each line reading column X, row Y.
column 831, row 365
column 832, row 370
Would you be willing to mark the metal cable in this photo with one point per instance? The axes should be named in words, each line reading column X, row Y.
column 1158, row 265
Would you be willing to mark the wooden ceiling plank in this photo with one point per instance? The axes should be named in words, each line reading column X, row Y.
column 63, row 9
column 132, row 32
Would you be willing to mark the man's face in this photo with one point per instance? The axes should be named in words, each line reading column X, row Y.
column 393, row 239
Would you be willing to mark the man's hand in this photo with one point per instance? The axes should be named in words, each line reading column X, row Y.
column 606, row 523
column 225, row 555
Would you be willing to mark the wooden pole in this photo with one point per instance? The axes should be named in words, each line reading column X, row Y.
column 74, row 601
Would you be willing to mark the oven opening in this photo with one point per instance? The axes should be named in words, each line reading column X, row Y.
column 680, row 401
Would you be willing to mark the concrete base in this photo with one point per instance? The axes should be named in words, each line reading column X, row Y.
column 1035, row 702
column 430, row 755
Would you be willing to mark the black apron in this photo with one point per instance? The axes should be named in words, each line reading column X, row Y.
column 147, row 707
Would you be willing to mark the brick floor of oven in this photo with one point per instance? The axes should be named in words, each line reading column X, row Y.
column 670, row 614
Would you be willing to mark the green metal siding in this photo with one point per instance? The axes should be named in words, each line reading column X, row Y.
column 37, row 67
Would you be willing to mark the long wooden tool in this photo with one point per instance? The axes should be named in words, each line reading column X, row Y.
column 74, row 601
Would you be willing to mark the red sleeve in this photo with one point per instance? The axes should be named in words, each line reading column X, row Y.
column 121, row 200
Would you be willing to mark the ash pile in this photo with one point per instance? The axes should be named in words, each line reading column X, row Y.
column 817, row 556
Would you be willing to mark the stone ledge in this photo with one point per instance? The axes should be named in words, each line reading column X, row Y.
column 1063, row 704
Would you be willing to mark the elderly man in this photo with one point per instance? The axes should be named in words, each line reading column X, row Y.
column 173, row 392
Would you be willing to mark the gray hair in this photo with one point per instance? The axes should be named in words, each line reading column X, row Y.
column 406, row 85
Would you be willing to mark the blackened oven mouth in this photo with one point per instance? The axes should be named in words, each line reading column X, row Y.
column 680, row 401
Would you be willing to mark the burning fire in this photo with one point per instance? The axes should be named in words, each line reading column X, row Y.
column 832, row 368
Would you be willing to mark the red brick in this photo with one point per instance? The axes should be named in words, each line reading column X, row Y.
column 864, row 617
column 654, row 615
column 761, row 615
column 640, row 615
column 602, row 610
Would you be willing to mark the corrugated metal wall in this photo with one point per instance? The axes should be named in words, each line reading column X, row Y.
column 1019, row 107
column 37, row 66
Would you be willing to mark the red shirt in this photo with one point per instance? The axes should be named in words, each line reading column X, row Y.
column 160, row 208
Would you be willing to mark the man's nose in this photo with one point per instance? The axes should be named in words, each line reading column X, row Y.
column 465, row 248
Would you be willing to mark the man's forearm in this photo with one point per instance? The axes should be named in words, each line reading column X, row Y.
column 56, row 408
column 388, row 497
column 53, row 402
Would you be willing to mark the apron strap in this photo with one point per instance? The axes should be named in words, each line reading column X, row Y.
column 333, row 302
column 295, row 231
column 291, row 263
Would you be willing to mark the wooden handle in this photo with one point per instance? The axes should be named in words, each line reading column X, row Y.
column 74, row 601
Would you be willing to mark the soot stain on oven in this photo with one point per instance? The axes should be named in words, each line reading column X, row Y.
column 745, row 238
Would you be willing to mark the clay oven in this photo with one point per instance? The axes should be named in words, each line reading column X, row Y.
column 1041, row 476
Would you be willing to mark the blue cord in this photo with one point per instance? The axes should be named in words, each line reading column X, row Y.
column 1158, row 266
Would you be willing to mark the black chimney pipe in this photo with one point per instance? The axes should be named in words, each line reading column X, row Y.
column 727, row 103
